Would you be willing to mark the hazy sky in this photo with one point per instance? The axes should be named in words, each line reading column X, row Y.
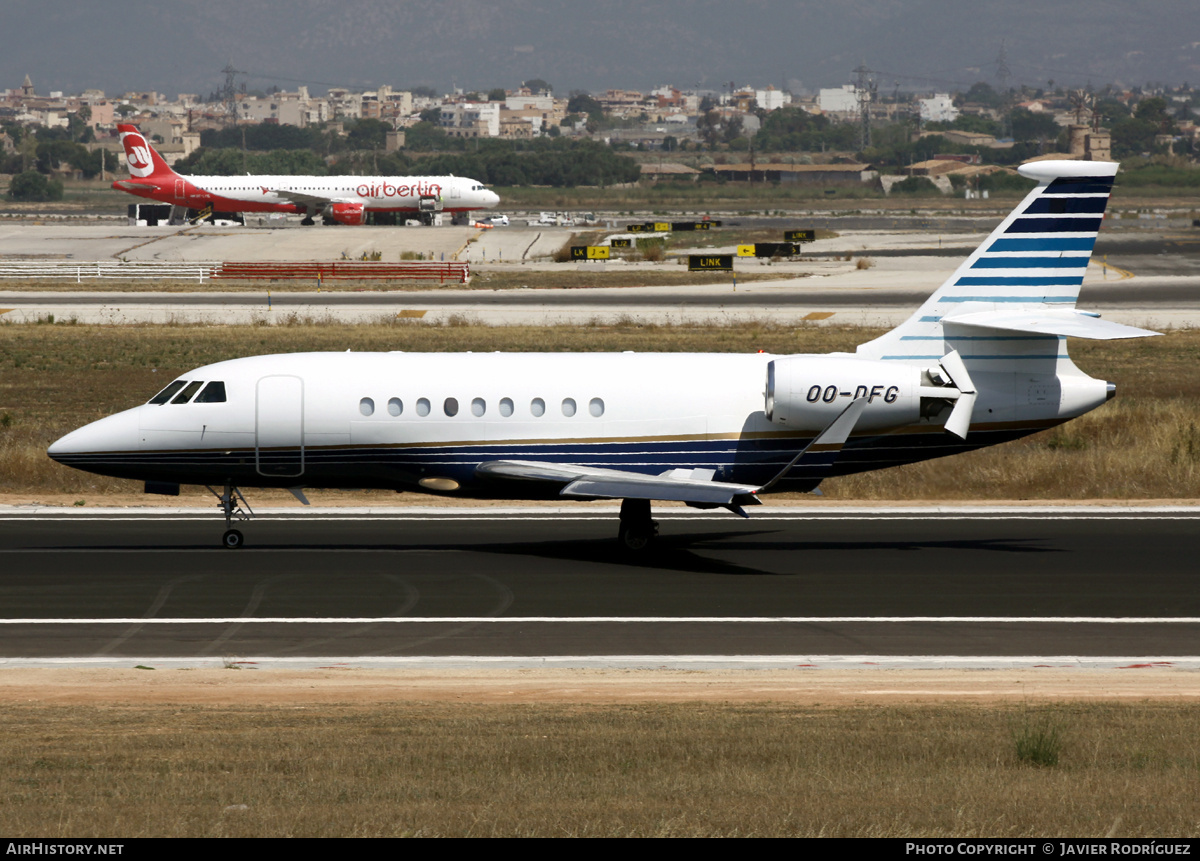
column 914, row 44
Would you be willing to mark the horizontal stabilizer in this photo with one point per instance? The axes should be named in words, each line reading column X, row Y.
column 676, row 485
column 1069, row 323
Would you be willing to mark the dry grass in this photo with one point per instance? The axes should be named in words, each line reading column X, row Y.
column 691, row 769
column 1144, row 445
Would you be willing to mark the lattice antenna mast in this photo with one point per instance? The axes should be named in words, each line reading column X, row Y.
column 866, row 90
column 1003, row 72
column 230, row 91
column 1003, row 75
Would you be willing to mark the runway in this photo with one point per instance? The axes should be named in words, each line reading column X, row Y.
column 948, row 586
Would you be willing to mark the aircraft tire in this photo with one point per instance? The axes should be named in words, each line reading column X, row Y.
column 636, row 538
column 233, row 539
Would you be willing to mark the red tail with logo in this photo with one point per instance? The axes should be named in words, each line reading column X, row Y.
column 144, row 162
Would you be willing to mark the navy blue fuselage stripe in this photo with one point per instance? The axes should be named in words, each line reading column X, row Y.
column 1055, row 225
column 1049, row 243
column 1080, row 262
column 1066, row 205
column 739, row 460
column 1026, row 281
column 1080, row 185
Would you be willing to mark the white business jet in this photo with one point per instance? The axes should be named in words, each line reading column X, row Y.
column 983, row 361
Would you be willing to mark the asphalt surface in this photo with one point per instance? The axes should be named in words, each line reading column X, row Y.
column 540, row 583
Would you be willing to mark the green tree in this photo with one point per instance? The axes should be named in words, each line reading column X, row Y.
column 1154, row 111
column 537, row 85
column 1028, row 126
column 497, row 94
column 368, row 134
column 982, row 93
column 34, row 187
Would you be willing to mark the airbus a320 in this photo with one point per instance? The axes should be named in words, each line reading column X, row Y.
column 335, row 199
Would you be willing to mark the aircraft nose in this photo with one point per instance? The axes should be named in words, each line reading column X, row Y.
column 491, row 197
column 120, row 432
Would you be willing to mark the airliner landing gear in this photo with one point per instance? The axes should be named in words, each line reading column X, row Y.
column 231, row 508
column 307, row 221
column 638, row 530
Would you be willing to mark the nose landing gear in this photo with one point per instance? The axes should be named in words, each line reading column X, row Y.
column 230, row 507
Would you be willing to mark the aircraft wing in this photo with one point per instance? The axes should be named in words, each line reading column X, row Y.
column 312, row 201
column 677, row 485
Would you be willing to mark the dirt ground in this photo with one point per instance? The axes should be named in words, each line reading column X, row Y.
column 807, row 686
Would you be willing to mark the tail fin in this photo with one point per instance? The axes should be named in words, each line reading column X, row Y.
column 143, row 160
column 1024, row 278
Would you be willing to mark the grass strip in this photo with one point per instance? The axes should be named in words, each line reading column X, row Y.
column 642, row 769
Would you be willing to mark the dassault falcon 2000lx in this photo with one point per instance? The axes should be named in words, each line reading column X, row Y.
column 983, row 361
column 340, row 199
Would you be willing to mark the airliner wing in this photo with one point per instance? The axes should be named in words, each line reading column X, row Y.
column 677, row 485
column 312, row 201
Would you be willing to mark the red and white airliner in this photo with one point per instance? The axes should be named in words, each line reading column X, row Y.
column 341, row 199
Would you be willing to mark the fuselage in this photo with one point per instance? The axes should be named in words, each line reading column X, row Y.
column 412, row 421
column 272, row 193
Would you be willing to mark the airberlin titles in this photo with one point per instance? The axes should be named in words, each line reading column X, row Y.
column 386, row 189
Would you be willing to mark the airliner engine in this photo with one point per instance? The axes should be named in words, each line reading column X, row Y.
column 353, row 214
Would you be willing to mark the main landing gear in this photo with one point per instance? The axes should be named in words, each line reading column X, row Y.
column 230, row 507
column 638, row 530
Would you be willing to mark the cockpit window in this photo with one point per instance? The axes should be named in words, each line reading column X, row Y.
column 214, row 393
column 166, row 394
column 188, row 390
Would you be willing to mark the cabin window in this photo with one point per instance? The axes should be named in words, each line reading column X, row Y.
column 538, row 407
column 167, row 393
column 506, row 407
column 366, row 406
column 478, row 407
column 450, row 406
column 395, row 406
column 214, row 393
column 596, row 407
column 188, row 390
column 423, row 407
column 568, row 407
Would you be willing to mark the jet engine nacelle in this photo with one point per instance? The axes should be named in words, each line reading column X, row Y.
column 809, row 392
column 353, row 214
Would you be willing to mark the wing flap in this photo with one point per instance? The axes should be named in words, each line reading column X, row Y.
column 581, row 482
column 312, row 201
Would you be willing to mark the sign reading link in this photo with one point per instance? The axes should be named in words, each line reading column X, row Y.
column 386, row 189
column 710, row 262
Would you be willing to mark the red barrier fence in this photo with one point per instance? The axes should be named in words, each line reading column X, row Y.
column 358, row 271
